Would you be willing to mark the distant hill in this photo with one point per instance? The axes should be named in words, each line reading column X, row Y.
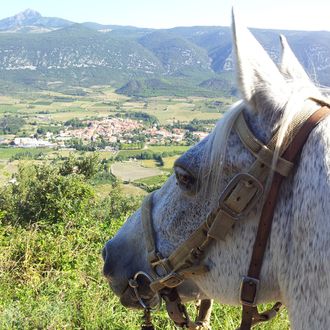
column 185, row 60
column 136, row 87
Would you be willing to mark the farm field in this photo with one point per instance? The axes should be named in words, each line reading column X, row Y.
column 168, row 163
column 179, row 149
column 133, row 170
column 155, row 149
column 7, row 153
column 101, row 101
column 128, row 189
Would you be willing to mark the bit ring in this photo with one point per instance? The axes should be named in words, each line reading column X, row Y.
column 135, row 286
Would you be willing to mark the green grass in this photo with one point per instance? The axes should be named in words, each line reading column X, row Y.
column 7, row 153
column 155, row 149
column 129, row 153
column 51, row 279
column 131, row 171
column 168, row 163
column 152, row 180
column 58, row 275
column 43, row 102
column 178, row 149
column 130, row 189
column 8, row 108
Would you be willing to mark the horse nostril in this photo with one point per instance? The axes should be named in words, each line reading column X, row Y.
column 108, row 260
column 104, row 254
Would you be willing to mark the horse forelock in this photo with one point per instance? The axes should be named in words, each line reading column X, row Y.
column 215, row 149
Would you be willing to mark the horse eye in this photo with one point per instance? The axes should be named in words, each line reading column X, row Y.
column 186, row 181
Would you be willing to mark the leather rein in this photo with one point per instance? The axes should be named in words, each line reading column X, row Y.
column 239, row 197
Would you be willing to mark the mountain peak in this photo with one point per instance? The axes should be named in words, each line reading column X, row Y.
column 28, row 13
column 30, row 20
column 27, row 16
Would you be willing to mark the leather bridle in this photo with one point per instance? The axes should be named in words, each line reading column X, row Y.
column 240, row 196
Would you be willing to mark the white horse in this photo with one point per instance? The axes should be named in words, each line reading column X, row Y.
column 296, row 266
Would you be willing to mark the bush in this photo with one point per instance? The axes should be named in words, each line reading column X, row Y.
column 42, row 193
column 88, row 165
column 51, row 273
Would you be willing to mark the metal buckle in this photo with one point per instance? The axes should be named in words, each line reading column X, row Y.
column 250, row 180
column 161, row 266
column 171, row 280
column 253, row 283
column 154, row 256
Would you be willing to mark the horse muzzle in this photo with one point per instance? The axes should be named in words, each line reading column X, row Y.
column 136, row 292
column 132, row 287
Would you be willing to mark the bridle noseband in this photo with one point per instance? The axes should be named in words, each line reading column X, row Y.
column 240, row 196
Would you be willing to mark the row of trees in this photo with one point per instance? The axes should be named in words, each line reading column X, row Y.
column 11, row 124
column 201, row 125
column 147, row 154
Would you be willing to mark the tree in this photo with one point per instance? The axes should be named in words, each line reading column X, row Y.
column 88, row 165
column 11, row 124
column 190, row 138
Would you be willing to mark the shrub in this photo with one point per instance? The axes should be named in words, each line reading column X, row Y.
column 88, row 165
column 41, row 192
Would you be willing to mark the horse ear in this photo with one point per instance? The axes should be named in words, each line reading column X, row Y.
column 290, row 66
column 260, row 81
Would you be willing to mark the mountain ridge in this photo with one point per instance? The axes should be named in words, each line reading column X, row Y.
column 194, row 60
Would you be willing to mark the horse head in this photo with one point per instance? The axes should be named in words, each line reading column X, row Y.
column 271, row 96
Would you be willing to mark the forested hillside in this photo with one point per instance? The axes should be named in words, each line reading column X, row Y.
column 177, row 60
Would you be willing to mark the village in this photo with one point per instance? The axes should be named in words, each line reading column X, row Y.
column 113, row 132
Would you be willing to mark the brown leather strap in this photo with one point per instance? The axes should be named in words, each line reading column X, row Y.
column 250, row 283
column 264, row 153
column 178, row 312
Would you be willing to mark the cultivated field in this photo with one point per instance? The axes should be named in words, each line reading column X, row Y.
column 99, row 101
column 133, row 170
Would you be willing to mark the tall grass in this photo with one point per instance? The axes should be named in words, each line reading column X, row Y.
column 51, row 279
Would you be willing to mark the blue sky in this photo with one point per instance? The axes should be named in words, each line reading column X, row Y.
column 277, row 14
